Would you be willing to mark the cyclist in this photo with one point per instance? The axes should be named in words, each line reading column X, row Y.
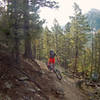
column 51, row 64
column 51, row 59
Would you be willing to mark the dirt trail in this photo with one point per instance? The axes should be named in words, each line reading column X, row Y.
column 71, row 92
column 68, row 85
column 33, row 81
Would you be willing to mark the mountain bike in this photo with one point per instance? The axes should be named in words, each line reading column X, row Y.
column 56, row 71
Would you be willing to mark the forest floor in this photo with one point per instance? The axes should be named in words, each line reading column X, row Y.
column 31, row 80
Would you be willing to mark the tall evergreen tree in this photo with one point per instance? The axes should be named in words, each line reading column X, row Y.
column 32, row 6
column 79, row 28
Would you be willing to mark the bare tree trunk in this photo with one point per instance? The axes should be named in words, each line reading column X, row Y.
column 98, row 69
column 28, row 48
column 92, row 57
column 16, row 44
column 76, row 55
column 34, row 51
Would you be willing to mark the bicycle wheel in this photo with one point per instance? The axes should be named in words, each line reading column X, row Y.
column 58, row 74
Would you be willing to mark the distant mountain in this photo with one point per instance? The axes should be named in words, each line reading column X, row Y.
column 94, row 18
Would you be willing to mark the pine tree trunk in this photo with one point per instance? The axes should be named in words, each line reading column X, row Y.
column 28, row 48
column 76, row 57
column 76, row 54
column 92, row 62
column 34, row 51
column 16, row 39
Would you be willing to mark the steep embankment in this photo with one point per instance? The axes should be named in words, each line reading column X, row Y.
column 33, row 81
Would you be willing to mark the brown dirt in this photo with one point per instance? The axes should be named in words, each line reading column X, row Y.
column 32, row 81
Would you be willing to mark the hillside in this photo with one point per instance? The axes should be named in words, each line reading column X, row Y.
column 32, row 82
column 94, row 18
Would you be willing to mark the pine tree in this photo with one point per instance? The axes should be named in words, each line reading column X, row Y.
column 13, row 14
column 32, row 6
column 79, row 28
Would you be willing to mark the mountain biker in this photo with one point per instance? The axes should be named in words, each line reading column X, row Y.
column 51, row 59
column 51, row 64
